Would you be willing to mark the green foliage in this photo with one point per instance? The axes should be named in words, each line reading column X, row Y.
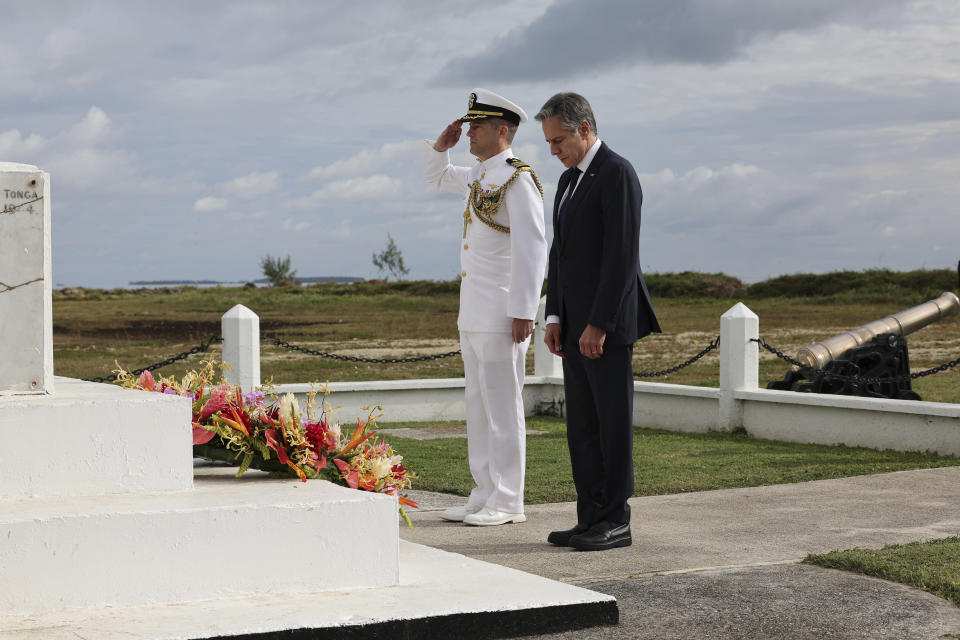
column 919, row 285
column 933, row 566
column 277, row 271
column 390, row 260
column 691, row 284
column 874, row 285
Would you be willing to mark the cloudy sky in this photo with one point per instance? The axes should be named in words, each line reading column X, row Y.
column 186, row 140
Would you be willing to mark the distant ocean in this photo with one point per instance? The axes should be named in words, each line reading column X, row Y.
column 141, row 284
column 260, row 282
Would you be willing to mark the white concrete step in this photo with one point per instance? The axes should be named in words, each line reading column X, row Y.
column 439, row 595
column 91, row 438
column 227, row 538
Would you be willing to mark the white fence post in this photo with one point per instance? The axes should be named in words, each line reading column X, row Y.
column 544, row 362
column 739, row 361
column 241, row 347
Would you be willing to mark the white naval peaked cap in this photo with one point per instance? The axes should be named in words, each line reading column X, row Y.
column 487, row 104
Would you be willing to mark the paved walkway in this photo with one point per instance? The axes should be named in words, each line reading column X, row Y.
column 723, row 564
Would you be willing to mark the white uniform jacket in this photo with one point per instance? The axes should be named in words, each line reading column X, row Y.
column 502, row 273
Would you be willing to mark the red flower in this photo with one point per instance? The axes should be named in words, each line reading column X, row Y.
column 314, row 433
column 348, row 473
column 201, row 435
column 273, row 443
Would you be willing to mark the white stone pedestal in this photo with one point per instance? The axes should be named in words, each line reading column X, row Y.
column 138, row 546
column 227, row 538
column 99, row 508
column 26, row 316
column 93, row 438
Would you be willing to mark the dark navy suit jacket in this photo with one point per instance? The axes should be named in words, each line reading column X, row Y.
column 594, row 274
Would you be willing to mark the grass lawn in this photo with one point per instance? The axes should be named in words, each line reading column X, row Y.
column 933, row 566
column 665, row 462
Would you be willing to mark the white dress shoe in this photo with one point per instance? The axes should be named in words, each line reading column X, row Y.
column 488, row 517
column 457, row 514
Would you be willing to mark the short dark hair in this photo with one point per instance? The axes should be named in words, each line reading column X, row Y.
column 572, row 108
column 511, row 128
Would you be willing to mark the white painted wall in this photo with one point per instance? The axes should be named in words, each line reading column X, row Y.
column 901, row 425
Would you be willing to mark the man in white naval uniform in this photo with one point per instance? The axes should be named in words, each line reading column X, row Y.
column 502, row 256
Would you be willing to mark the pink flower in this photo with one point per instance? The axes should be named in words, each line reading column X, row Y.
column 218, row 401
column 146, row 381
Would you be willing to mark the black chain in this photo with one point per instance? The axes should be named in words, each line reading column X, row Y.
column 335, row 356
column 715, row 343
column 203, row 346
column 857, row 379
column 777, row 352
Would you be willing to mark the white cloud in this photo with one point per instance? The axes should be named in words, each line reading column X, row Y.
column 89, row 131
column 709, row 197
column 290, row 224
column 370, row 187
column 251, row 185
column 92, row 129
column 210, row 203
column 13, row 144
column 367, row 161
column 796, row 134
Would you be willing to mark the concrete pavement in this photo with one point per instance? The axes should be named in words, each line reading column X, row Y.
column 723, row 564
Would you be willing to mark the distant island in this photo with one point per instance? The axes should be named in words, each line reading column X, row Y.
column 168, row 283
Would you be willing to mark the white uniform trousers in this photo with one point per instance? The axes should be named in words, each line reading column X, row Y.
column 493, row 366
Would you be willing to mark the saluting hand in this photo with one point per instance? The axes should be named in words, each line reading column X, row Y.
column 449, row 137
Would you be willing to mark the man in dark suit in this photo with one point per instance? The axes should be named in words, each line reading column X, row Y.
column 597, row 307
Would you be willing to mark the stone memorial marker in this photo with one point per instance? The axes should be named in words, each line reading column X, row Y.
column 26, row 315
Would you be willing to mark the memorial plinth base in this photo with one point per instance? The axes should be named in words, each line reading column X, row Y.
column 124, row 538
column 226, row 538
column 91, row 438
column 440, row 595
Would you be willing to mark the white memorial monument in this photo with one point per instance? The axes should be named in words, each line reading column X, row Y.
column 106, row 531
column 26, row 343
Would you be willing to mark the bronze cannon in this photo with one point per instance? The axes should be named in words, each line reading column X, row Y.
column 904, row 323
column 871, row 360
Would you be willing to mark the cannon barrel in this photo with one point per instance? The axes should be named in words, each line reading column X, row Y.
column 817, row 355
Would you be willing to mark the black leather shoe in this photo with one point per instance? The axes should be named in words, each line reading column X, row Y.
column 562, row 538
column 602, row 536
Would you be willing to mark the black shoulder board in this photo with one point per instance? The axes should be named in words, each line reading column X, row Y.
column 517, row 164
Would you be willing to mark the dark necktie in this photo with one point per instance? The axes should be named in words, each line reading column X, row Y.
column 561, row 213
